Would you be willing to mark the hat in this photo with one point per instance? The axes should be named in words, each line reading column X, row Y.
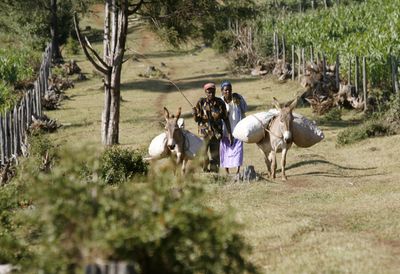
column 225, row 83
column 208, row 86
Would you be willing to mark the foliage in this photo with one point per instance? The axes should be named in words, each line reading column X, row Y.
column 119, row 165
column 42, row 151
column 344, row 30
column 7, row 97
column 370, row 128
column 11, row 250
column 335, row 114
column 72, row 46
column 17, row 66
column 177, row 21
column 159, row 225
column 30, row 20
column 223, row 41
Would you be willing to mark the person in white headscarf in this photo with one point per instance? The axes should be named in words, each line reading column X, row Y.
column 231, row 155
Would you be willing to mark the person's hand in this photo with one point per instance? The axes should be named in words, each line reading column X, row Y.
column 230, row 137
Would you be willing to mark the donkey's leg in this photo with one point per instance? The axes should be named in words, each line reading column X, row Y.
column 272, row 157
column 265, row 150
column 283, row 164
column 184, row 163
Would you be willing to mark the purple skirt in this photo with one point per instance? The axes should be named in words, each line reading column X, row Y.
column 230, row 156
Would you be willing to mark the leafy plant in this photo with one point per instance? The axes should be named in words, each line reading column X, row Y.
column 159, row 225
column 119, row 165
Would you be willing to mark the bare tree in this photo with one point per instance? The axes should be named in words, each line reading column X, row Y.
column 115, row 33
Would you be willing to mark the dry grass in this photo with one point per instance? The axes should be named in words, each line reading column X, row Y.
column 338, row 213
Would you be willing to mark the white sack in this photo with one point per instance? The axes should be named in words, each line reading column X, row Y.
column 305, row 132
column 158, row 147
column 251, row 128
column 193, row 144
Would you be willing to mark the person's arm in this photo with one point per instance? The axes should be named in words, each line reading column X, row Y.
column 225, row 118
column 196, row 112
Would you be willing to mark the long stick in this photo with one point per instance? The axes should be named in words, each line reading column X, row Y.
column 181, row 93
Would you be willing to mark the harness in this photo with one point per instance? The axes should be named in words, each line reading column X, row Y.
column 267, row 126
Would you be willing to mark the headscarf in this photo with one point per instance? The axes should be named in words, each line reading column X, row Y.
column 208, row 86
column 225, row 84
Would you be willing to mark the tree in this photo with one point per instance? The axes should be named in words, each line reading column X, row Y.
column 35, row 22
column 179, row 19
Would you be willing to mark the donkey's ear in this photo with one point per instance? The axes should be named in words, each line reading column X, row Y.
column 276, row 103
column 178, row 114
column 166, row 113
column 294, row 103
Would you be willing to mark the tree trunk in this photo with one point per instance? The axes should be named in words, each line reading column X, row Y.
column 110, row 65
column 57, row 57
column 115, row 32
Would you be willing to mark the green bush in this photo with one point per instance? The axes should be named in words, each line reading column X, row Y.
column 159, row 225
column 11, row 250
column 72, row 46
column 42, row 151
column 8, row 98
column 334, row 114
column 223, row 41
column 118, row 165
column 370, row 128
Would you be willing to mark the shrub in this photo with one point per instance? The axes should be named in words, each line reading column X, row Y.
column 370, row 128
column 334, row 114
column 159, row 226
column 72, row 46
column 118, row 165
column 43, row 152
column 7, row 97
column 223, row 41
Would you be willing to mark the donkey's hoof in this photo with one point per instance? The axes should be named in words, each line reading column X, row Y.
column 284, row 178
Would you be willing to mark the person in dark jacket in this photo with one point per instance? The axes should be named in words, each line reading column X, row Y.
column 210, row 115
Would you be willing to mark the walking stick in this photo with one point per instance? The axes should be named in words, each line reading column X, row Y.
column 181, row 93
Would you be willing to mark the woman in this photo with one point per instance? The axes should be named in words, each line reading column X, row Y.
column 231, row 156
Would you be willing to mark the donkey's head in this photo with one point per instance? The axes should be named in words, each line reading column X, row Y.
column 171, row 128
column 285, row 119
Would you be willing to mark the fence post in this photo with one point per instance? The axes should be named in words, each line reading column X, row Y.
column 395, row 84
column 323, row 67
column 349, row 73
column 283, row 50
column 3, row 141
column 365, row 83
column 337, row 72
column 356, row 76
column 293, row 64
column 299, row 58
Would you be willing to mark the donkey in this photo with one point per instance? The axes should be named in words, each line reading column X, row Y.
column 278, row 137
column 176, row 138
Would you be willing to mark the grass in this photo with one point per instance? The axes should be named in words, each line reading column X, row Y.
column 339, row 211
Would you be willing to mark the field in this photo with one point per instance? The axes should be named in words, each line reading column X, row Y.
column 337, row 213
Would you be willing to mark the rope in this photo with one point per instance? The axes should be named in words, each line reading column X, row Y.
column 266, row 128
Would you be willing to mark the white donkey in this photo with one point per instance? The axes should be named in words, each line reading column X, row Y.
column 278, row 137
column 180, row 142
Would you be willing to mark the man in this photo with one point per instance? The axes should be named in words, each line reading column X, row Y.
column 231, row 154
column 210, row 114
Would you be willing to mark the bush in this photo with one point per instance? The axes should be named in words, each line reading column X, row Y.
column 118, row 165
column 334, row 114
column 72, row 46
column 159, row 226
column 8, row 98
column 370, row 128
column 223, row 41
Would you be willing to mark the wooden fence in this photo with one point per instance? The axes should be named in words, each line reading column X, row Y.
column 15, row 123
column 359, row 79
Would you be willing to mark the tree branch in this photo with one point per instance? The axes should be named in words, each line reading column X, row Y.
column 101, row 61
column 100, row 68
